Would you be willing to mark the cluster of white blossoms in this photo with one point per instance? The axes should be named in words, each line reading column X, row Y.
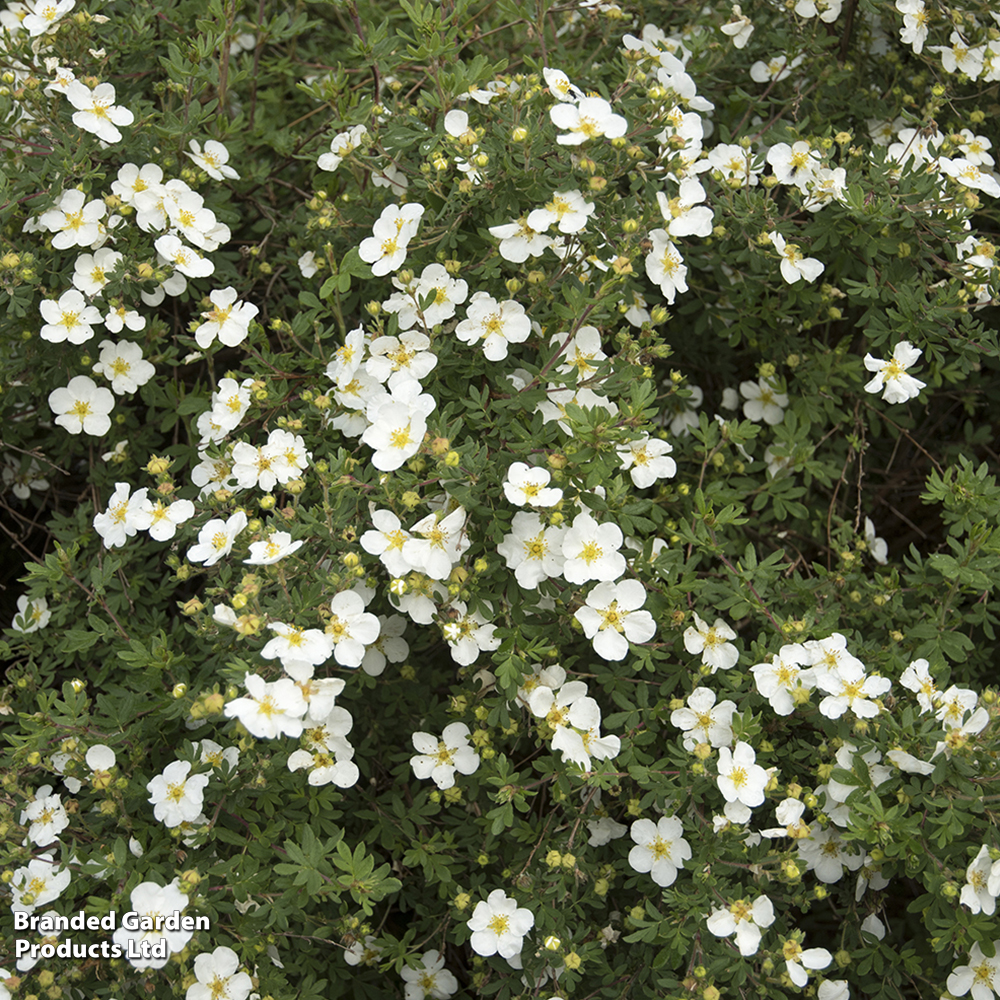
column 129, row 512
column 573, row 717
column 187, row 229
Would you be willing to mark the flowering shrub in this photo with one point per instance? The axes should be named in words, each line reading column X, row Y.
column 597, row 400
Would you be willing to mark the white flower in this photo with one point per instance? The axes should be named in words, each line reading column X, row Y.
column 188, row 262
column 793, row 264
column 123, row 365
column 397, row 424
column 341, row 146
column 712, row 642
column 229, row 320
column 496, row 324
column 441, row 544
column 745, row 920
column 590, row 118
column 660, row 849
column 665, row 266
column 739, row 29
column 824, row 852
column 762, row 402
column 591, row 550
column 218, row 976
column 797, row 960
column 559, row 85
column 704, row 721
column 331, row 764
column 796, row 164
column 849, row 688
column 33, row 613
column 610, row 617
column 468, row 635
column 47, row 817
column 390, row 646
column 366, row 953
column 779, row 679
column 41, row 882
column 568, row 210
column 98, row 112
column 307, row 264
column 976, row 894
column 271, row 709
column 176, row 795
column 121, row 520
column 917, row 678
column 213, row 159
column 386, row 541
column 891, row 375
column 213, row 753
column 684, row 214
column 45, row 18
column 981, row 975
column 430, row 979
column 532, row 550
column 69, row 318
column 778, row 68
column 647, row 460
column 350, row 628
column 275, row 547
column 82, row 406
column 118, row 317
column 498, row 926
column 385, row 249
column 527, row 486
column 877, row 546
column 441, row 758
column 740, row 779
column 216, row 538
column 398, row 359
column 76, row 222
column 91, row 272
column 150, row 900
column 518, row 241
column 298, row 649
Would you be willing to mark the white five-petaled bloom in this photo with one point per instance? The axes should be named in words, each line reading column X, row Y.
column 740, row 778
column 124, row 366
column 568, row 210
column 779, row 679
column 188, row 261
column 589, row 118
column 46, row 16
column 981, row 975
column 429, row 979
column 660, row 848
column 793, row 264
column 713, row 643
column 276, row 546
column 218, row 977
column 439, row 759
column 82, row 406
column 468, row 635
column 68, row 318
column 228, row 319
column 762, row 402
column 176, row 795
column 213, row 159
column 92, row 271
column 499, row 925
column 351, row 628
column 745, row 920
column 298, row 649
column 270, row 709
column 704, row 721
column 849, row 687
column 976, row 893
column 891, row 375
column 591, row 550
column 496, row 324
column 610, row 617
column 917, row 678
column 121, row 520
column 532, row 550
column 216, row 538
column 647, row 460
column 385, row 249
column 526, row 486
column 41, row 881
column 739, row 29
column 48, row 818
column 341, row 145
column 97, row 111
column 665, row 265
column 33, row 612
column 75, row 221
